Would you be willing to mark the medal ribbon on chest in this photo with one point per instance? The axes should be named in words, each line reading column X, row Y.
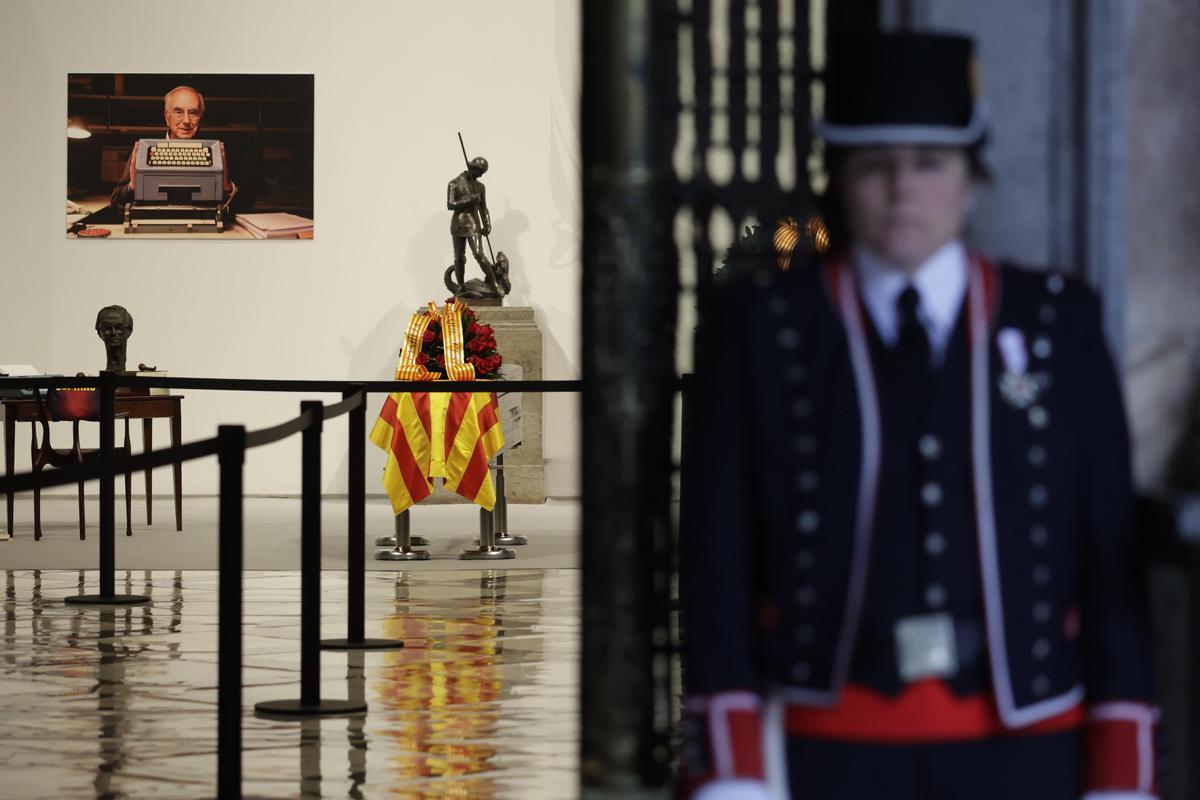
column 1018, row 387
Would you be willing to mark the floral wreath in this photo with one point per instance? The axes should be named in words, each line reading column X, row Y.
column 449, row 344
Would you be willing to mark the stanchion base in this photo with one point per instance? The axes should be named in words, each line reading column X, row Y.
column 484, row 553
column 508, row 540
column 402, row 555
column 107, row 599
column 390, row 541
column 298, row 708
column 362, row 644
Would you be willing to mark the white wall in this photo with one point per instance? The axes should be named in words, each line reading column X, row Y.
column 398, row 78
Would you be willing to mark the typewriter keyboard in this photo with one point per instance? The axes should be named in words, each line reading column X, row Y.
column 180, row 154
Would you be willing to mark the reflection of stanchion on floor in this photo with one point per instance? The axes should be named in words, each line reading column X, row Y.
column 310, row 757
column 487, row 549
column 402, row 549
column 356, row 736
column 502, row 537
column 113, row 693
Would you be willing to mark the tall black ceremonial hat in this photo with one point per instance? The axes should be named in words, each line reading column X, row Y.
column 902, row 88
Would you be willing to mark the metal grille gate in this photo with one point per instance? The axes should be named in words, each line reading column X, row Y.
column 695, row 119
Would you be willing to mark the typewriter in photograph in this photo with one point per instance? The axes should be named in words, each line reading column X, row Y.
column 178, row 187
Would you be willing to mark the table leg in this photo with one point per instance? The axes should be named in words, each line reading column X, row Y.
column 177, row 467
column 147, row 446
column 10, row 432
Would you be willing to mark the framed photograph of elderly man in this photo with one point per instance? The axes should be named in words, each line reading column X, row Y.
column 186, row 155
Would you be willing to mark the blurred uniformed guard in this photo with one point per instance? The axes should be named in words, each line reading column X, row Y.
column 909, row 568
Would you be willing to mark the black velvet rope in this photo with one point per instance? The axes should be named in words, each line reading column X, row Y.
column 207, row 447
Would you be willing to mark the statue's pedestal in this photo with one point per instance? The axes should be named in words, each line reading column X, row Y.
column 519, row 340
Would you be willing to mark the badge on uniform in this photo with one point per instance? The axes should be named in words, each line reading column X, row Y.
column 926, row 647
column 1018, row 386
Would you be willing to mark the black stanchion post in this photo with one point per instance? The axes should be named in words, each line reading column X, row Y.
column 108, row 545
column 310, row 702
column 356, row 548
column 310, row 558
column 231, row 455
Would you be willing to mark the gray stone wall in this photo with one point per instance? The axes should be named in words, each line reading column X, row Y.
column 1162, row 353
column 1026, row 51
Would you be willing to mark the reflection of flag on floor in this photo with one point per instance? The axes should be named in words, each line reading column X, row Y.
column 438, row 435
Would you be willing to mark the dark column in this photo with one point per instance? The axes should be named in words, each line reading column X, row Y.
column 630, row 287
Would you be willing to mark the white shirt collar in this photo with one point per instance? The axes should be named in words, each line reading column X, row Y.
column 941, row 282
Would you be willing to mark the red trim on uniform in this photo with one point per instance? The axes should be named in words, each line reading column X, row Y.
column 1119, row 743
column 745, row 739
column 926, row 711
column 1112, row 758
column 991, row 286
column 734, row 732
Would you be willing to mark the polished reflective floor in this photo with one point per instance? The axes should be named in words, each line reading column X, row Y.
column 121, row 702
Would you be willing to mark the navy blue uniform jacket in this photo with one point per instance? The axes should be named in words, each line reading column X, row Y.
column 781, row 475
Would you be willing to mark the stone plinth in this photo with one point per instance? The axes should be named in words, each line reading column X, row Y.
column 519, row 340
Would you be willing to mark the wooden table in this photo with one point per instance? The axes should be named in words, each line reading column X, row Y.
column 147, row 408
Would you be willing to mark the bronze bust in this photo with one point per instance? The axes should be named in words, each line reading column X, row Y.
column 114, row 325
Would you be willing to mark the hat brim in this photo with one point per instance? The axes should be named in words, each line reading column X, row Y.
column 867, row 135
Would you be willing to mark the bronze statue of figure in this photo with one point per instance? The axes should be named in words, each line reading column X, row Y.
column 469, row 226
column 114, row 325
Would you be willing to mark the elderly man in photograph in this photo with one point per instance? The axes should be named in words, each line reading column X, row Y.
column 183, row 110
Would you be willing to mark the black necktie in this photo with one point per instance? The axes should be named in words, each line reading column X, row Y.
column 912, row 344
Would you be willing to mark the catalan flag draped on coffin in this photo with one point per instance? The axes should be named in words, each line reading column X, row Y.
column 429, row 435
